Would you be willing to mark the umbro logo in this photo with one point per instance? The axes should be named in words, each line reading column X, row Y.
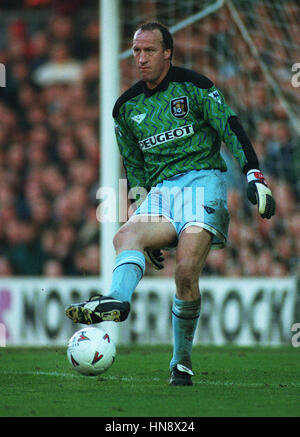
column 209, row 210
column 138, row 118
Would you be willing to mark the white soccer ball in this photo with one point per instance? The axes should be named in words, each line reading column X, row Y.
column 91, row 351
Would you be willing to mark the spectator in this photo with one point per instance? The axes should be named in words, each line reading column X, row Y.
column 25, row 252
column 5, row 267
column 39, row 45
column 92, row 260
column 61, row 68
column 281, row 155
column 52, row 269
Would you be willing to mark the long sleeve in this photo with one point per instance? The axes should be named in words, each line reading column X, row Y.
column 132, row 156
column 225, row 122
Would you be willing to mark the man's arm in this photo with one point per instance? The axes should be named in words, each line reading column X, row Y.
column 132, row 156
column 226, row 123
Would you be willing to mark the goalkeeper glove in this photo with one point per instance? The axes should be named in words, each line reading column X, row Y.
column 259, row 193
column 155, row 257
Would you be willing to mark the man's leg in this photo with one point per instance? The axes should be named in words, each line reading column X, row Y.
column 130, row 242
column 192, row 250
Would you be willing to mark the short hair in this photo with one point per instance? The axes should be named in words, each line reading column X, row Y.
column 166, row 35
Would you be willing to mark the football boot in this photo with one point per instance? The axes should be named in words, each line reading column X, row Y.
column 181, row 375
column 98, row 309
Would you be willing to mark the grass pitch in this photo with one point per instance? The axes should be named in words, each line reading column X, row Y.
column 229, row 382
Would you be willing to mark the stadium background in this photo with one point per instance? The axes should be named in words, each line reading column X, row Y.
column 50, row 155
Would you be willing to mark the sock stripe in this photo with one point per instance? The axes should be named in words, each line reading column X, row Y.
column 129, row 262
column 185, row 318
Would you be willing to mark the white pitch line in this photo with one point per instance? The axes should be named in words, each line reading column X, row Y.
column 154, row 379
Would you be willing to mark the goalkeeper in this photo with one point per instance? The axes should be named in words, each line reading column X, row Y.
column 169, row 128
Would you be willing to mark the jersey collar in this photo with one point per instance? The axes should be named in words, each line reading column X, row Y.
column 162, row 86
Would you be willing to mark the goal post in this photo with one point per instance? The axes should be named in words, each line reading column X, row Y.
column 110, row 161
column 109, row 171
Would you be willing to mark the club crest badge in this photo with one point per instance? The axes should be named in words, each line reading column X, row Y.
column 179, row 107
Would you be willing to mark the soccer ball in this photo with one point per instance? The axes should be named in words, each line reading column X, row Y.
column 91, row 351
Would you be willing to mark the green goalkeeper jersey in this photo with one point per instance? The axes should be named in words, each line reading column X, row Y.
column 177, row 127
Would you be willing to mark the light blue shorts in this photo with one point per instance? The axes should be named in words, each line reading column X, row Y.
column 195, row 198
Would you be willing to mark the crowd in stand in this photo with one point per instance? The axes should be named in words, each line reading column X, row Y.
column 49, row 149
column 50, row 155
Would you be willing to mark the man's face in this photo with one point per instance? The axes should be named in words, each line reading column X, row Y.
column 151, row 58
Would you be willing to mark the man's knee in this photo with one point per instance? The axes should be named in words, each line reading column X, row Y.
column 121, row 236
column 187, row 278
column 127, row 235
